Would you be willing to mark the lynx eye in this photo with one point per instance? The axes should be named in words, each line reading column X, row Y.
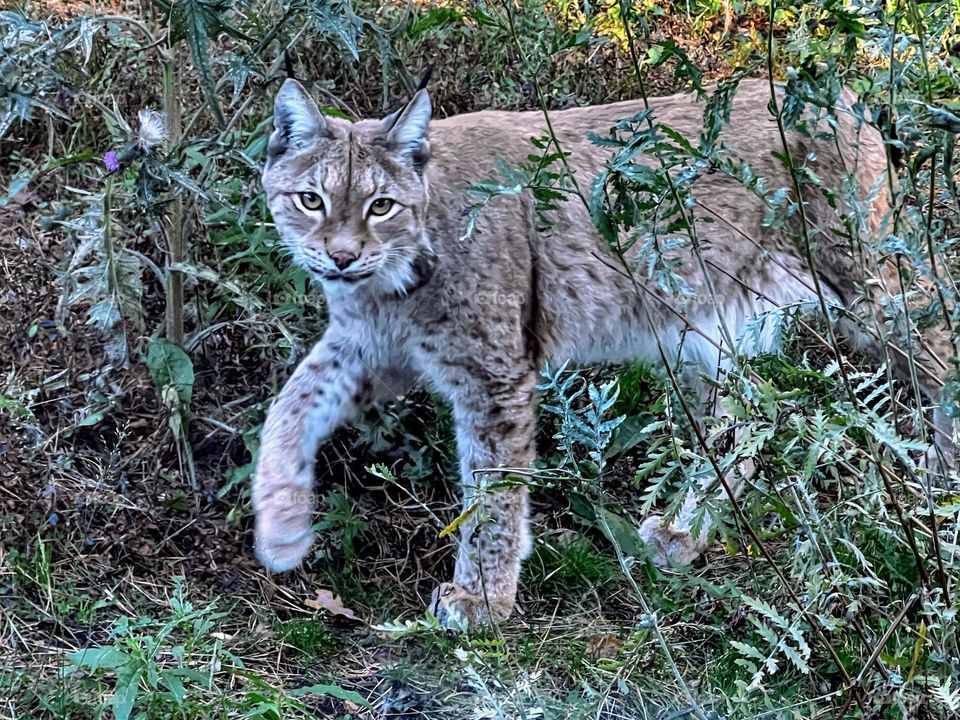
column 381, row 206
column 310, row 201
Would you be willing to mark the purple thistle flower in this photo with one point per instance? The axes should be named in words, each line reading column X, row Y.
column 110, row 161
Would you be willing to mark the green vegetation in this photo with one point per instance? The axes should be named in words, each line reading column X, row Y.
column 149, row 316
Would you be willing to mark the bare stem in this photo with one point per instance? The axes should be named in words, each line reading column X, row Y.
column 176, row 244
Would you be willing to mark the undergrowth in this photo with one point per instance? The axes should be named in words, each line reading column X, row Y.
column 138, row 378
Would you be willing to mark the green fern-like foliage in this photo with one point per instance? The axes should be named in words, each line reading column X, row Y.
column 103, row 273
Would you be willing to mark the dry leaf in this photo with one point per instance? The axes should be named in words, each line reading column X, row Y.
column 603, row 646
column 263, row 630
column 326, row 600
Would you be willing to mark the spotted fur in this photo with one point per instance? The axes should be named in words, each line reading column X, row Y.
column 475, row 315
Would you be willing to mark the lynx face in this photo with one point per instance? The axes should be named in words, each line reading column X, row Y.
column 349, row 198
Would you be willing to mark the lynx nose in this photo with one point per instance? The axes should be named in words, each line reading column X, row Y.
column 342, row 258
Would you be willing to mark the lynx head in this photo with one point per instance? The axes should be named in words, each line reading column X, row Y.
column 350, row 198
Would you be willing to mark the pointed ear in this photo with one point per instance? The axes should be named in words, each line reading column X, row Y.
column 406, row 129
column 297, row 123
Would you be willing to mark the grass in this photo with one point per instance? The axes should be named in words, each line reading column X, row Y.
column 127, row 584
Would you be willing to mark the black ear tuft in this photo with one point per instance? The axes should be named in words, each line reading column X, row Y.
column 427, row 74
column 888, row 129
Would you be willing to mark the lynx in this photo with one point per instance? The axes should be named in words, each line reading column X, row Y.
column 376, row 211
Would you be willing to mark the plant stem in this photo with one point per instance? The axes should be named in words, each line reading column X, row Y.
column 114, row 278
column 176, row 244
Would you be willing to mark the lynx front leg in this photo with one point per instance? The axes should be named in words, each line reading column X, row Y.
column 494, row 430
column 326, row 391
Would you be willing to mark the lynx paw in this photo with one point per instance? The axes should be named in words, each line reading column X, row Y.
column 455, row 606
column 281, row 541
column 283, row 529
column 941, row 459
column 278, row 557
column 669, row 544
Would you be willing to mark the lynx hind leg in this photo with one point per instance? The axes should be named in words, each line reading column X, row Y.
column 930, row 369
column 676, row 543
column 943, row 453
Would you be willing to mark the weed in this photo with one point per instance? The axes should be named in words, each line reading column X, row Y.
column 573, row 566
column 309, row 636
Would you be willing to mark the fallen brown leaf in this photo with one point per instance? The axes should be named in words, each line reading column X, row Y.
column 603, row 646
column 326, row 600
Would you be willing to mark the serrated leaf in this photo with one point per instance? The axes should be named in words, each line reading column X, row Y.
column 598, row 210
column 197, row 42
column 84, row 38
column 239, row 70
column 766, row 611
column 334, row 18
column 435, row 18
column 630, row 433
column 748, row 650
column 194, row 22
column 795, row 658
